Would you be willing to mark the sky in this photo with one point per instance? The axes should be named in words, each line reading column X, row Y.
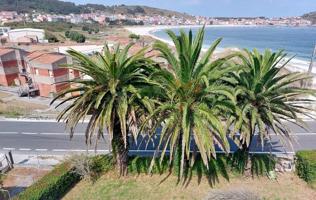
column 223, row 8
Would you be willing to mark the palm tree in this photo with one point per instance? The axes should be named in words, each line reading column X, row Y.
column 112, row 97
column 192, row 100
column 267, row 96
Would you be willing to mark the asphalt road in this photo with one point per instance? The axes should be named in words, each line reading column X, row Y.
column 51, row 138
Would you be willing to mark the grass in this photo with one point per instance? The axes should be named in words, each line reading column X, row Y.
column 156, row 187
column 17, row 108
column 12, row 107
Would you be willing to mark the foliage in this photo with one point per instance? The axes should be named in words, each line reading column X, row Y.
column 91, row 168
column 114, row 96
column 52, row 186
column 306, row 166
column 266, row 97
column 63, row 7
column 102, row 163
column 50, row 6
column 192, row 98
column 310, row 16
column 90, row 29
column 134, row 36
column 75, row 36
column 51, row 37
column 261, row 164
column 67, row 34
column 141, row 165
column 47, row 26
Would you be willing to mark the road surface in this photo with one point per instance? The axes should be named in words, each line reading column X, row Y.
column 51, row 138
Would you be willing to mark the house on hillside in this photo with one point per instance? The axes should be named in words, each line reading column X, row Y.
column 11, row 64
column 47, row 74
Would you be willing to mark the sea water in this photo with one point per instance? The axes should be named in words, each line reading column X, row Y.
column 295, row 41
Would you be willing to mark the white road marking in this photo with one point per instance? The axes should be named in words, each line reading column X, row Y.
column 78, row 150
column 41, row 149
column 8, row 132
column 24, row 149
column 60, row 150
column 61, row 134
column 28, row 133
column 302, row 134
column 5, row 148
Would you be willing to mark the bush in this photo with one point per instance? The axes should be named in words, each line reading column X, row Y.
column 141, row 165
column 51, row 37
column 134, row 36
column 52, row 186
column 75, row 36
column 67, row 33
column 91, row 168
column 306, row 166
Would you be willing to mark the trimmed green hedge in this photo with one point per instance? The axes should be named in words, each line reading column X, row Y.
column 306, row 166
column 52, row 186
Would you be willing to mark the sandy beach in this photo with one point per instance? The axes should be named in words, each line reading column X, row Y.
column 295, row 64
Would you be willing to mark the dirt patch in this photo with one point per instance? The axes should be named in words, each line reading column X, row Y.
column 109, row 186
column 15, row 108
column 20, row 178
column 4, row 95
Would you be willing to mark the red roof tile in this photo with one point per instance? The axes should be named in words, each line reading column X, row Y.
column 45, row 57
column 4, row 51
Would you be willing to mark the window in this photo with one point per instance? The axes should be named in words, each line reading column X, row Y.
column 50, row 73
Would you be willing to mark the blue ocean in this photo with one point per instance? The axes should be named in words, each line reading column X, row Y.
column 299, row 41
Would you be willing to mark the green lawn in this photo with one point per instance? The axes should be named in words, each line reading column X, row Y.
column 157, row 187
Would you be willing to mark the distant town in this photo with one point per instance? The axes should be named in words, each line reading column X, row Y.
column 141, row 19
column 30, row 54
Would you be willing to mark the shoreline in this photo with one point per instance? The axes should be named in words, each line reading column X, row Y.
column 295, row 65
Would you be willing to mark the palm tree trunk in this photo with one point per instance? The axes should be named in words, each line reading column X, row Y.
column 120, row 153
column 247, row 158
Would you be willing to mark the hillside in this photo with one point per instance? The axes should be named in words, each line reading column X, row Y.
column 310, row 16
column 61, row 7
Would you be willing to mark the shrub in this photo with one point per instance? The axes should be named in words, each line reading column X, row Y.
column 261, row 164
column 306, row 166
column 141, row 165
column 102, row 164
column 75, row 36
column 51, row 37
column 52, row 186
column 67, row 33
column 134, row 36
column 91, row 168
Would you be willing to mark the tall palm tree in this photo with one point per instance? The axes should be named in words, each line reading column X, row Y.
column 267, row 96
column 112, row 97
column 192, row 99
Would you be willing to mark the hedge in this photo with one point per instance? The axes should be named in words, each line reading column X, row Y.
column 52, row 186
column 306, row 166
column 222, row 165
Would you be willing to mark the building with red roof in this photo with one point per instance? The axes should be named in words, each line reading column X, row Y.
column 11, row 62
column 47, row 73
